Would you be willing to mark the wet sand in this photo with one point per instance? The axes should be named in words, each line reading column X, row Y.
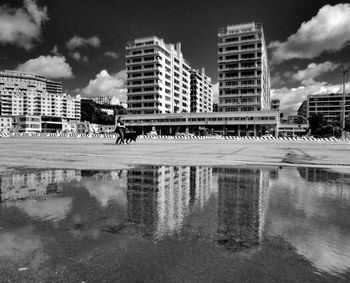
column 42, row 152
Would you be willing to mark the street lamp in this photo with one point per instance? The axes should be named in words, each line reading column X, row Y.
column 343, row 112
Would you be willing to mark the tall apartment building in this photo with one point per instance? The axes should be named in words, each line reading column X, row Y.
column 330, row 105
column 30, row 94
column 201, row 92
column 244, row 77
column 158, row 77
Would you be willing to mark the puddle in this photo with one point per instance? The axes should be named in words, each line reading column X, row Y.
column 175, row 223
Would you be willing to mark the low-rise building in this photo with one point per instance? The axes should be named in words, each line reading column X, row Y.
column 27, row 123
column 6, row 124
column 293, row 119
column 330, row 105
column 275, row 104
column 252, row 123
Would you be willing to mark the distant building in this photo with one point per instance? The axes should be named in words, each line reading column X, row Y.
column 292, row 119
column 215, row 107
column 108, row 100
column 275, row 104
column 158, row 77
column 330, row 105
column 27, row 123
column 201, row 92
column 108, row 111
column 29, row 94
column 244, row 77
column 302, row 111
column 6, row 124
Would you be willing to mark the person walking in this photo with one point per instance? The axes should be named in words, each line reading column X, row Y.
column 120, row 129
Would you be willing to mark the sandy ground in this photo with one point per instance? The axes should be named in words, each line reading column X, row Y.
column 41, row 152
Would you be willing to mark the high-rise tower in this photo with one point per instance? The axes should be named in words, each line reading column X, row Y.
column 158, row 77
column 244, row 79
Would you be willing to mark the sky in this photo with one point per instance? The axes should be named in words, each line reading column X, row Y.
column 82, row 42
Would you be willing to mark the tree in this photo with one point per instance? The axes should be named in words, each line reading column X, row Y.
column 91, row 111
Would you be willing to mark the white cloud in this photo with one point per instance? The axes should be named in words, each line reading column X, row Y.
column 78, row 57
column 327, row 31
column 215, row 89
column 106, row 84
column 53, row 209
column 22, row 27
column 78, row 41
column 108, row 191
column 111, row 54
column 291, row 98
column 49, row 66
column 313, row 70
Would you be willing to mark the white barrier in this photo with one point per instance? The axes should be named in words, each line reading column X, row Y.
column 181, row 137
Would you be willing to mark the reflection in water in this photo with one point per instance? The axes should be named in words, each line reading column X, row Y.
column 242, row 206
column 25, row 185
column 159, row 197
column 239, row 208
column 313, row 216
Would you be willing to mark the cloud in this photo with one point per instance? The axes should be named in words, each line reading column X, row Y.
column 49, row 66
column 111, row 54
column 78, row 57
column 106, row 84
column 53, row 209
column 21, row 244
column 215, row 89
column 327, row 31
column 313, row 70
column 291, row 98
column 78, row 41
column 110, row 190
column 22, row 27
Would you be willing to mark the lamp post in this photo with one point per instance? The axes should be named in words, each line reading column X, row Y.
column 343, row 110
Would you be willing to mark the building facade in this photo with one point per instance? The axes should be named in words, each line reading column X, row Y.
column 244, row 77
column 330, row 105
column 30, row 94
column 106, row 100
column 302, row 111
column 235, row 124
column 6, row 124
column 201, row 92
column 158, row 77
column 27, row 123
column 275, row 104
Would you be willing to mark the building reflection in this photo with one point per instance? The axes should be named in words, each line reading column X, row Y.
column 27, row 185
column 242, row 204
column 317, row 175
column 100, row 175
column 160, row 197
